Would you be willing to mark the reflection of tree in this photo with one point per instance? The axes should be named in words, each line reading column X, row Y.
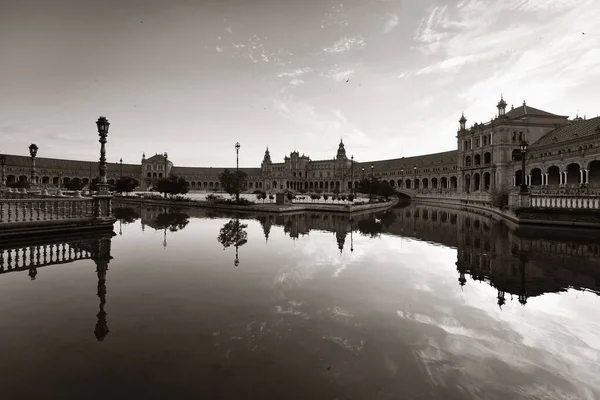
column 127, row 215
column 174, row 221
column 233, row 234
column 265, row 222
column 370, row 227
column 388, row 218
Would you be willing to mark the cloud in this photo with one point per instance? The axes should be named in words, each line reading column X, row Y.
column 296, row 82
column 295, row 73
column 339, row 74
column 345, row 44
column 391, row 22
column 219, row 49
column 229, row 29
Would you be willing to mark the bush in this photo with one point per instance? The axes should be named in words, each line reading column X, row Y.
column 325, row 197
column 350, row 197
column 271, row 197
column 290, row 196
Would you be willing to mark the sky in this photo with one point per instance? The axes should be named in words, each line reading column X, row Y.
column 192, row 78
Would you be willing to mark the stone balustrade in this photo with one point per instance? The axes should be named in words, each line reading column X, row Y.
column 554, row 201
column 47, row 209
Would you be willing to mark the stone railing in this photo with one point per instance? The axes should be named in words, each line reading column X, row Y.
column 49, row 209
column 479, row 197
column 564, row 201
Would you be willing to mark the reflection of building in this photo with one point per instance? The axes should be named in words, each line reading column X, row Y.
column 33, row 254
column 562, row 151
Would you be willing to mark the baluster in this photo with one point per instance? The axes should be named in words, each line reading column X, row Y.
column 1, row 260
column 45, row 247
column 62, row 253
column 9, row 260
column 44, row 209
column 17, row 258
column 31, row 211
column 38, row 209
column 9, row 219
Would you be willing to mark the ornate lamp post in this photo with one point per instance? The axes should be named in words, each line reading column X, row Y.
column 237, row 171
column 402, row 177
column 90, row 181
column 33, row 149
column 121, row 171
column 415, row 177
column 372, row 185
column 102, row 125
column 3, row 165
column 352, row 186
column 523, row 179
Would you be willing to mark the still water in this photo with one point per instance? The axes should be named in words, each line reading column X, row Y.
column 414, row 303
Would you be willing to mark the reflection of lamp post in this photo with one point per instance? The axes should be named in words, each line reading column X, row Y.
column 523, row 155
column 102, row 125
column 3, row 165
column 236, row 262
column 33, row 149
column 237, row 173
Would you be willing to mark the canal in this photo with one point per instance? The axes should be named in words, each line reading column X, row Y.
column 418, row 302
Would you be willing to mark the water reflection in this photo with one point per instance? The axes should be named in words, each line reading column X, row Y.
column 233, row 233
column 33, row 254
column 518, row 263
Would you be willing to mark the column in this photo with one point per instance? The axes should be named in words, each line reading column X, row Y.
column 581, row 176
column 587, row 176
column 514, row 180
column 545, row 179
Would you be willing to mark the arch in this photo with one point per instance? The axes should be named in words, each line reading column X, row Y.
column 516, row 155
column 434, row 183
column 487, row 158
column 453, row 182
column 477, row 159
column 444, row 183
column 274, row 185
column 573, row 175
column 45, row 180
column 149, row 174
column 407, row 184
column 55, row 180
column 416, row 184
column 23, row 178
column 594, row 172
column 536, row 177
column 467, row 183
column 553, row 175
column 392, row 183
column 467, row 161
column 160, row 175
column 10, row 179
column 425, row 183
column 477, row 182
column 487, row 181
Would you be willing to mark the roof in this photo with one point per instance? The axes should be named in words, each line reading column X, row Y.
column 53, row 163
column 209, row 170
column 574, row 130
column 443, row 158
column 156, row 157
column 527, row 111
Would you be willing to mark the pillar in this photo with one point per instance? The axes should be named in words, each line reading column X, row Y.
column 514, row 180
column 587, row 176
column 581, row 176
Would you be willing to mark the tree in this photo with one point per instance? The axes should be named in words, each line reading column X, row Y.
column 74, row 184
column 385, row 190
column 233, row 182
column 126, row 184
column 172, row 185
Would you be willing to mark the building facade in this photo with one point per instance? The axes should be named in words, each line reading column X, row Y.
column 562, row 153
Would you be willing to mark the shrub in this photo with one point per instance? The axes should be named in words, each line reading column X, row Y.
column 325, row 197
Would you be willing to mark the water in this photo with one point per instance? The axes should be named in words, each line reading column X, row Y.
column 415, row 303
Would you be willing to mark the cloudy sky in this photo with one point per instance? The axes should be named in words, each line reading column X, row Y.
column 390, row 77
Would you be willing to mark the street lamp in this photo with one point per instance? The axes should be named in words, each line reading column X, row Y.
column 415, row 177
column 33, row 149
column 3, row 165
column 523, row 155
column 352, row 187
column 237, row 172
column 121, row 172
column 102, row 125
column 372, row 185
column 402, row 177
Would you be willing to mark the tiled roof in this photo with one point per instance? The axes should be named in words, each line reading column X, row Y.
column 574, row 130
column 53, row 163
column 525, row 110
column 427, row 160
column 156, row 157
column 211, row 171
